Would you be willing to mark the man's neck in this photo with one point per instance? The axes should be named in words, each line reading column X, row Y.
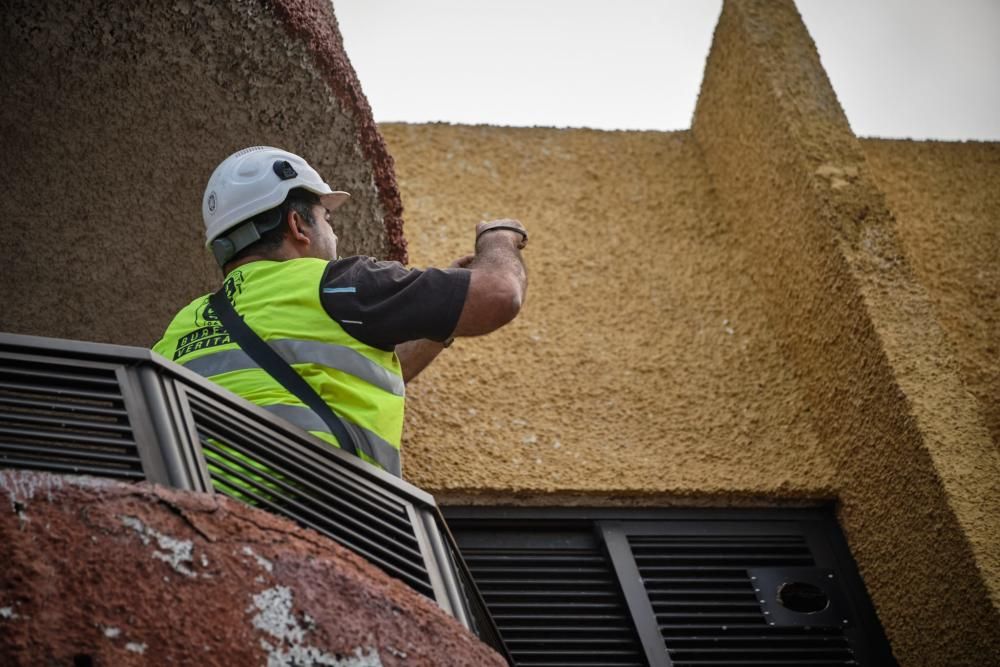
column 280, row 255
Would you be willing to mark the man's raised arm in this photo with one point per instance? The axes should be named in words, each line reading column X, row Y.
column 498, row 283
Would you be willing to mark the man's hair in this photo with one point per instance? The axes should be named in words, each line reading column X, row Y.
column 271, row 223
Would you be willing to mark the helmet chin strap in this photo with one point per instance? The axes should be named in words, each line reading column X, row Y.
column 224, row 250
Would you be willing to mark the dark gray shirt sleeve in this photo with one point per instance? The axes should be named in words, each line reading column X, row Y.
column 383, row 304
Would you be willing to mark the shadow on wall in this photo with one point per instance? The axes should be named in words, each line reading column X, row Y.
column 113, row 118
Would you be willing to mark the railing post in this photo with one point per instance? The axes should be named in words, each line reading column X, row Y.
column 162, row 433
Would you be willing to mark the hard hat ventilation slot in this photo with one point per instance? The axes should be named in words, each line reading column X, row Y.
column 251, row 149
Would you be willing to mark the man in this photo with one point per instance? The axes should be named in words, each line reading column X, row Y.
column 355, row 329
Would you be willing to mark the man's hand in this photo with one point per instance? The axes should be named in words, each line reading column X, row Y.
column 496, row 291
column 499, row 281
column 505, row 226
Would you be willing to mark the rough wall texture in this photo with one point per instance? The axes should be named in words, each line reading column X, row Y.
column 761, row 310
column 917, row 474
column 729, row 315
column 642, row 365
column 113, row 117
column 101, row 573
column 946, row 199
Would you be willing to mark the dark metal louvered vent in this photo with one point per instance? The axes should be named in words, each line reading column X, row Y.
column 65, row 417
column 257, row 464
column 671, row 588
column 554, row 598
column 712, row 610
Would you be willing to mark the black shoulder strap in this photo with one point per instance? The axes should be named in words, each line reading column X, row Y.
column 278, row 368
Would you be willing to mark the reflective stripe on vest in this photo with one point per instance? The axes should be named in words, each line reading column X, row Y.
column 375, row 447
column 282, row 302
column 304, row 352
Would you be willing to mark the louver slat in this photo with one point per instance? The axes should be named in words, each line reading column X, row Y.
column 60, row 392
column 375, row 526
column 59, row 435
column 66, row 418
column 723, row 624
column 67, row 452
column 348, row 490
column 65, row 422
column 555, row 605
column 64, row 466
column 68, row 408
column 54, row 375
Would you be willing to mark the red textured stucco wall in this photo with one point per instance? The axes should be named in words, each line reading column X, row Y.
column 98, row 572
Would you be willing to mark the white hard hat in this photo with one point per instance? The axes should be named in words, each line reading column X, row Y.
column 255, row 180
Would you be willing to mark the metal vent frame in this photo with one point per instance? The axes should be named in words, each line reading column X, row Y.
column 170, row 413
column 800, row 534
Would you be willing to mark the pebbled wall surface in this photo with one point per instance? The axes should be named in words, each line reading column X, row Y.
column 113, row 117
column 946, row 199
column 98, row 572
column 642, row 365
column 759, row 310
column 918, row 474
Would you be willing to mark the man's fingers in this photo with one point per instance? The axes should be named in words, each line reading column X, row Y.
column 505, row 221
column 506, row 225
column 462, row 262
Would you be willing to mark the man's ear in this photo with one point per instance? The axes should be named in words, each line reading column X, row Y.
column 297, row 227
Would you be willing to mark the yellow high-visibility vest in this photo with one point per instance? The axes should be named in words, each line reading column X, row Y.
column 280, row 301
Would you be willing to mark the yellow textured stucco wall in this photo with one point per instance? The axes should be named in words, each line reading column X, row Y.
column 642, row 363
column 946, row 199
column 848, row 370
column 918, row 477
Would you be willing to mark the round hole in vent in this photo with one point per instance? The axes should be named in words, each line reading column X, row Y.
column 802, row 597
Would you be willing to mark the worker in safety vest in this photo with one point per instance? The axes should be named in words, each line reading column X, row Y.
column 355, row 329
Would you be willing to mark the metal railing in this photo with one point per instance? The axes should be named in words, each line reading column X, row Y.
column 125, row 412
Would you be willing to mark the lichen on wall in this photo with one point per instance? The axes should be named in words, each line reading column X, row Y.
column 100, row 572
